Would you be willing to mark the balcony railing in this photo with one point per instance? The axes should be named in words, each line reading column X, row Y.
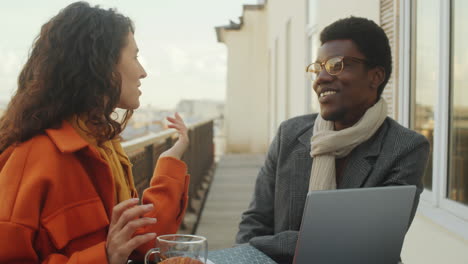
column 199, row 157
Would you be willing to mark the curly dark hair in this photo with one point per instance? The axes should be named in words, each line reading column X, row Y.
column 369, row 38
column 71, row 70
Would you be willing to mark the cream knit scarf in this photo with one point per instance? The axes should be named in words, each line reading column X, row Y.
column 328, row 144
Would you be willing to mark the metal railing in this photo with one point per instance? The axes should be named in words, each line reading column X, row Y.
column 199, row 157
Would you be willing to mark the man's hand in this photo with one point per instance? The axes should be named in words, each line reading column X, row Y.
column 182, row 143
column 125, row 221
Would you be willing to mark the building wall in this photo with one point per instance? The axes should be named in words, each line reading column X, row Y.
column 246, row 96
column 323, row 13
column 286, row 46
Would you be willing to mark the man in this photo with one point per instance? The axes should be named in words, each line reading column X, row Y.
column 350, row 144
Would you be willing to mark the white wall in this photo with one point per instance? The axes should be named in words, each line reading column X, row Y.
column 429, row 243
column 287, row 84
column 323, row 13
column 246, row 95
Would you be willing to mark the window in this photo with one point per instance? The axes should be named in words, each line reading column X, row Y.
column 457, row 181
column 434, row 71
column 424, row 74
column 313, row 44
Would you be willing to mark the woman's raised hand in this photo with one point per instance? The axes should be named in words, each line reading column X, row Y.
column 182, row 143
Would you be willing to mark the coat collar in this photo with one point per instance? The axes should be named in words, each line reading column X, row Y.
column 304, row 138
column 66, row 138
column 362, row 160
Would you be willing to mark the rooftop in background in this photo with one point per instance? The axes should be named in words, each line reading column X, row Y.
column 236, row 26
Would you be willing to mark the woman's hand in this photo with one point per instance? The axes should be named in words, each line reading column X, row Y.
column 125, row 221
column 182, row 143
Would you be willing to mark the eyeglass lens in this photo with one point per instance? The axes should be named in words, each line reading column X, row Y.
column 333, row 66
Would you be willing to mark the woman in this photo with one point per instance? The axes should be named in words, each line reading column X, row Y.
column 67, row 190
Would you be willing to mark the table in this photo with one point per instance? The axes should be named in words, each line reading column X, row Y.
column 244, row 254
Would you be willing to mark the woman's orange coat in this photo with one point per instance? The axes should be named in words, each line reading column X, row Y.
column 57, row 196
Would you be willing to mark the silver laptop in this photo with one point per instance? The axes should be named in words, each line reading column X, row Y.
column 354, row 226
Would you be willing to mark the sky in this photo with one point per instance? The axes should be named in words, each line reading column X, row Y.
column 176, row 38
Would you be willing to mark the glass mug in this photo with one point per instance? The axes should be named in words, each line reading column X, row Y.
column 179, row 249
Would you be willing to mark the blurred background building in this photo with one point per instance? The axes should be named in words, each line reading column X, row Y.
column 2, row 107
column 275, row 40
column 150, row 120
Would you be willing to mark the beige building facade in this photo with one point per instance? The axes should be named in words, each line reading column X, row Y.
column 426, row 93
column 246, row 93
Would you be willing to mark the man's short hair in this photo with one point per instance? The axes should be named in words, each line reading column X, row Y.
column 369, row 38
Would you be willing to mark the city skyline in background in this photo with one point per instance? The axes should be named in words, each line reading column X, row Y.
column 177, row 43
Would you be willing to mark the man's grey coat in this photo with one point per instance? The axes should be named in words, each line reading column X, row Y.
column 395, row 155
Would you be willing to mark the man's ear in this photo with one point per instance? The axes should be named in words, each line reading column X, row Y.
column 377, row 75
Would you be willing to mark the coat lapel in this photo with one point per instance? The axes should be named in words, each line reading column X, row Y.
column 300, row 175
column 101, row 176
column 362, row 160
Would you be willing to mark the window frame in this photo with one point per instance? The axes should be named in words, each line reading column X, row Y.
column 311, row 32
column 451, row 215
